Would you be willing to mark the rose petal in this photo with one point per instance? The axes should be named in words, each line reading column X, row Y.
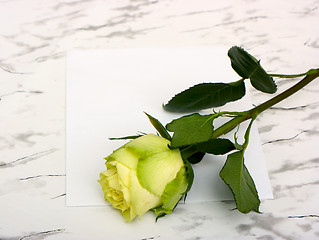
column 142, row 199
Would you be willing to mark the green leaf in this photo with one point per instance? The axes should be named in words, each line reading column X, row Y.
column 196, row 157
column 249, row 67
column 191, row 129
column 159, row 127
column 206, row 95
column 127, row 137
column 191, row 154
column 236, row 176
column 216, row 146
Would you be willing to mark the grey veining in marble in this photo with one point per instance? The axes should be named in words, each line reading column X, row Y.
column 34, row 38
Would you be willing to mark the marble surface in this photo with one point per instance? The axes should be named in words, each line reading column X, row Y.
column 34, row 38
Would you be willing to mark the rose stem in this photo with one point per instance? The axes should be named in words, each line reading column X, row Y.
column 254, row 112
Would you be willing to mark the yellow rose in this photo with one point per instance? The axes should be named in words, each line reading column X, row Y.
column 144, row 174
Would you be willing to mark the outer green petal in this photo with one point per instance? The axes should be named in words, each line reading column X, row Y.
column 157, row 164
column 124, row 156
column 148, row 145
column 142, row 199
column 173, row 192
column 157, row 170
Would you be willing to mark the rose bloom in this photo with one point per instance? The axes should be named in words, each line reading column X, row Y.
column 144, row 174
